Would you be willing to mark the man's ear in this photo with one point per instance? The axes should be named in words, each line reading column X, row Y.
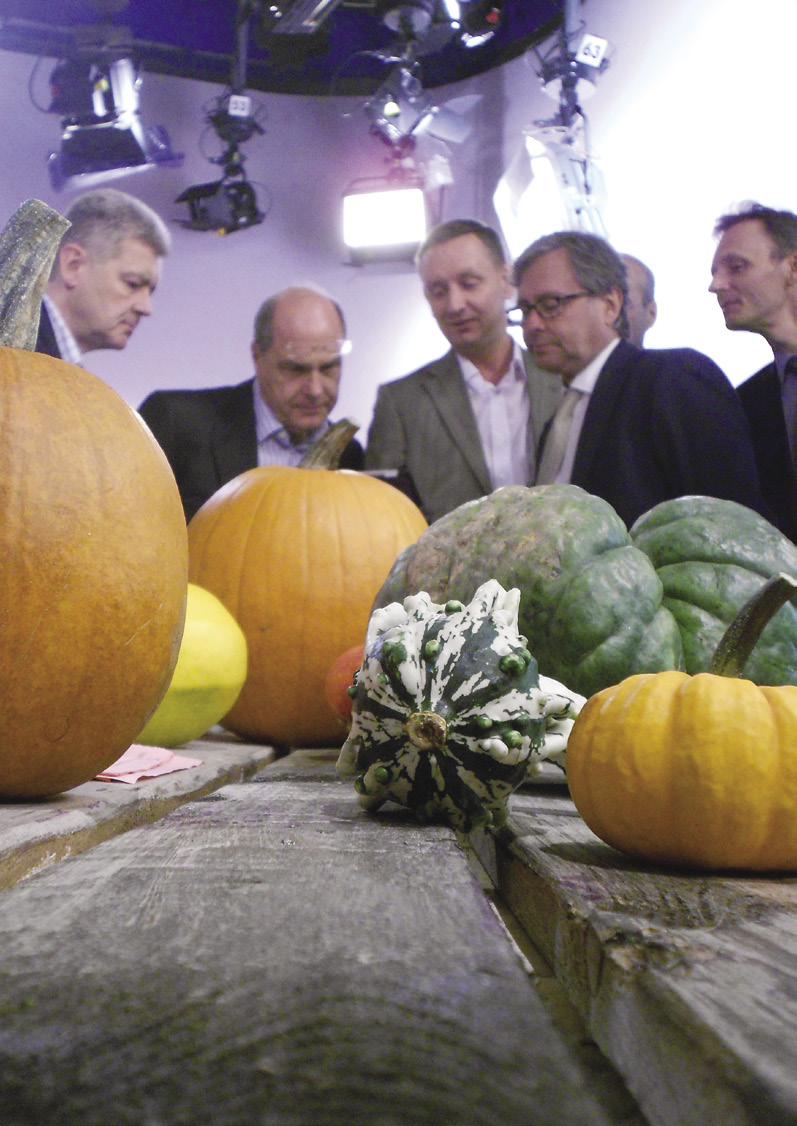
column 71, row 259
column 613, row 299
column 792, row 263
column 652, row 313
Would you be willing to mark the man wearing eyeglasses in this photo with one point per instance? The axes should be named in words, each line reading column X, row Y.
column 635, row 426
column 212, row 434
column 469, row 422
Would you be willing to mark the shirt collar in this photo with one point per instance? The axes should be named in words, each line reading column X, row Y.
column 64, row 337
column 587, row 378
column 781, row 359
column 474, row 378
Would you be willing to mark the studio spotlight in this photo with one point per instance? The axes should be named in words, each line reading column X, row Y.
column 103, row 136
column 384, row 221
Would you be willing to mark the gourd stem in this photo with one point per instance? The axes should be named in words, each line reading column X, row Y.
column 739, row 639
column 426, row 730
column 325, row 453
column 28, row 245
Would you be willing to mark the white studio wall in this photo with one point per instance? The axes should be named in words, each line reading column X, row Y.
column 691, row 118
column 692, row 115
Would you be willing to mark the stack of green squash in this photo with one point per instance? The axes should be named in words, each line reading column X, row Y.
column 599, row 603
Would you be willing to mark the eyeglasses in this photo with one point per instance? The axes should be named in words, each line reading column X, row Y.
column 546, row 307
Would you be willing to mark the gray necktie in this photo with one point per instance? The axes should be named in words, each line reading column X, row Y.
column 789, row 397
column 553, row 451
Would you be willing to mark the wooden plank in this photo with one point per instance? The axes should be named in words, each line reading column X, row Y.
column 688, row 982
column 272, row 955
column 36, row 834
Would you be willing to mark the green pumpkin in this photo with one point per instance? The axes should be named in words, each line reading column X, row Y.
column 591, row 602
column 449, row 715
column 712, row 556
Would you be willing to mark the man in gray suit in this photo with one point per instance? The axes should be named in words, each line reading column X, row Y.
column 469, row 422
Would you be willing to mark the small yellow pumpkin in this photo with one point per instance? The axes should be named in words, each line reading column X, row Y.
column 696, row 771
column 209, row 675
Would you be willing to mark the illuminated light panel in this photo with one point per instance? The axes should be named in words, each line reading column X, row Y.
column 385, row 223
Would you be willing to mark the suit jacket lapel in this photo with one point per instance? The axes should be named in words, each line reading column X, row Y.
column 596, row 430
column 234, row 438
column 446, row 388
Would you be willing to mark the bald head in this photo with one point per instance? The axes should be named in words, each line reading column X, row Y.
column 297, row 351
column 640, row 305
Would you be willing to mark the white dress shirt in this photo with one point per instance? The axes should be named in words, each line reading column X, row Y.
column 502, row 416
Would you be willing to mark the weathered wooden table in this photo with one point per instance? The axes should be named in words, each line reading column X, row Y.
column 246, row 946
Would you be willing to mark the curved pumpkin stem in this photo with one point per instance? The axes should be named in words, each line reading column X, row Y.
column 325, row 453
column 28, row 245
column 739, row 639
column 426, row 730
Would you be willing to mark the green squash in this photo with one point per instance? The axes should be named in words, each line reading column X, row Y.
column 591, row 602
column 712, row 556
column 449, row 715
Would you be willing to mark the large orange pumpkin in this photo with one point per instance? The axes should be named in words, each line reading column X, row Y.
column 93, row 560
column 297, row 556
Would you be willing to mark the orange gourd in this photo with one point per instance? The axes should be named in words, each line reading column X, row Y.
column 297, row 556
column 694, row 771
column 93, row 559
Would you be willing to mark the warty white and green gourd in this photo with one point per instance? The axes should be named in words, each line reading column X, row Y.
column 449, row 714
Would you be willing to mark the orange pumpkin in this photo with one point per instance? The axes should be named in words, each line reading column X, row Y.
column 92, row 578
column 297, row 556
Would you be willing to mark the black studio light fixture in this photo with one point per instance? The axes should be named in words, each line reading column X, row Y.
column 103, row 137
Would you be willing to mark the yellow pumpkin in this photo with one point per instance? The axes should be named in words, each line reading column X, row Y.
column 698, row 771
column 92, row 575
column 297, row 556
column 210, row 672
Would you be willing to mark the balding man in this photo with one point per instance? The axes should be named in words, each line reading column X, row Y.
column 640, row 302
column 212, row 434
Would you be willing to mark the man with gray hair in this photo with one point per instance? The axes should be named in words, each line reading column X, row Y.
column 211, row 435
column 635, row 427
column 754, row 277
column 103, row 276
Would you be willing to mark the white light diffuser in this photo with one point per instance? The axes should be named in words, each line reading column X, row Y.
column 385, row 223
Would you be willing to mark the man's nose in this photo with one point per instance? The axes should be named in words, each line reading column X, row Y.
column 143, row 302
column 314, row 383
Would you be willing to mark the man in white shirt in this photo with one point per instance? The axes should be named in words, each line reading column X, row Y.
column 104, row 275
column 635, row 427
column 212, row 434
column 469, row 422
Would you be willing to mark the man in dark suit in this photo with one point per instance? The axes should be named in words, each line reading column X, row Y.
column 104, row 275
column 470, row 421
column 754, row 276
column 213, row 434
column 635, row 427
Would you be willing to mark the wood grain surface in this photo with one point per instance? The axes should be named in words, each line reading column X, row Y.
column 687, row 981
column 269, row 954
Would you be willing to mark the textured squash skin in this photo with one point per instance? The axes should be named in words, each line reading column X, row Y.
column 92, row 575
column 695, row 771
column 449, row 713
column 712, row 556
column 296, row 556
column 591, row 602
